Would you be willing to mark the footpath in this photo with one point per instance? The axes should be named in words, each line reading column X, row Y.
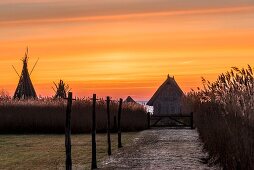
column 159, row 149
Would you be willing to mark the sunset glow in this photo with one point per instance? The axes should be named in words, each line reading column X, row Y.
column 121, row 48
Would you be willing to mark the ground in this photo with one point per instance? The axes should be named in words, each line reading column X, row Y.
column 48, row 151
column 149, row 149
column 161, row 149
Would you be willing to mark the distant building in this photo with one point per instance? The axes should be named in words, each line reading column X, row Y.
column 167, row 99
column 129, row 99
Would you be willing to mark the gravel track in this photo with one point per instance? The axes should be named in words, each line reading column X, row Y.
column 161, row 149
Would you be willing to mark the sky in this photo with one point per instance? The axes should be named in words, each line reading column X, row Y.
column 120, row 48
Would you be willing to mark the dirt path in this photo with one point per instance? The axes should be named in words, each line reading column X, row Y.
column 161, row 149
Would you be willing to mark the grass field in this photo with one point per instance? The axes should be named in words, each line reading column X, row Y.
column 48, row 151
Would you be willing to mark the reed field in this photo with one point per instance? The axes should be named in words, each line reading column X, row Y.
column 224, row 117
column 48, row 116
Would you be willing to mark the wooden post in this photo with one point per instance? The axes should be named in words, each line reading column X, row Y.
column 192, row 126
column 68, row 133
column 94, row 160
column 119, row 124
column 148, row 120
column 108, row 126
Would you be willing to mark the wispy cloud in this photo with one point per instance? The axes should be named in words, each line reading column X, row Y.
column 59, row 10
column 134, row 15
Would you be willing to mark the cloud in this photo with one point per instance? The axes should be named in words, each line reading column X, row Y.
column 45, row 10
column 134, row 15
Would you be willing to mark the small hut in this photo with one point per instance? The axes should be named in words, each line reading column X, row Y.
column 129, row 99
column 167, row 99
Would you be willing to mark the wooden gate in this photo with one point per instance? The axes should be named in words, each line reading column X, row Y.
column 176, row 120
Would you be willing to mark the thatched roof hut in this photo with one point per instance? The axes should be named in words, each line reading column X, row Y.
column 167, row 99
column 129, row 99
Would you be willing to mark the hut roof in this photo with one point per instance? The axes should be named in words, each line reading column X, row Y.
column 169, row 80
column 129, row 99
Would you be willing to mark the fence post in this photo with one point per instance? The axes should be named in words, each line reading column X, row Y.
column 119, row 124
column 192, row 126
column 94, row 160
column 108, row 126
column 148, row 120
column 68, row 162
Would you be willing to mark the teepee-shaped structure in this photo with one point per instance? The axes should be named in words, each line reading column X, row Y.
column 61, row 89
column 25, row 88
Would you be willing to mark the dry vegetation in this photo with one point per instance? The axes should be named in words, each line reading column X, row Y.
column 48, row 116
column 224, row 116
column 48, row 151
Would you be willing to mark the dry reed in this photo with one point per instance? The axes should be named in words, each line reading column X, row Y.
column 224, row 116
column 48, row 116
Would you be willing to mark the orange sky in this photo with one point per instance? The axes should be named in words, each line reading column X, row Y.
column 127, row 47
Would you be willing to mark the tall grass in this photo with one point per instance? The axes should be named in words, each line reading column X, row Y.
column 48, row 116
column 224, row 116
